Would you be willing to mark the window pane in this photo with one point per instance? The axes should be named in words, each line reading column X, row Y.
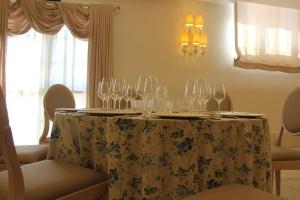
column 278, row 41
column 248, row 39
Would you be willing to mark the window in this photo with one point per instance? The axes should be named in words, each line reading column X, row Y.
column 35, row 62
column 267, row 37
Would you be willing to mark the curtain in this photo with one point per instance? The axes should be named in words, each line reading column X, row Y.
column 100, row 50
column 85, row 22
column 76, row 18
column 43, row 60
column 267, row 37
column 3, row 39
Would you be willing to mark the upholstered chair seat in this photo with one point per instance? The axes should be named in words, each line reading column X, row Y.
column 30, row 153
column 284, row 154
column 57, row 96
column 50, row 179
column 234, row 192
column 46, row 179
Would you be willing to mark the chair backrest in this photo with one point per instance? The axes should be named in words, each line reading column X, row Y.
column 226, row 104
column 58, row 96
column 291, row 112
column 15, row 176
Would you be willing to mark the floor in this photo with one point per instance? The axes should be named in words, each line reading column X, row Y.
column 290, row 184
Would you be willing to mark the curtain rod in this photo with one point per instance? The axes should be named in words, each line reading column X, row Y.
column 116, row 8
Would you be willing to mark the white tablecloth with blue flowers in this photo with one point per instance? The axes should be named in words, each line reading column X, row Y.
column 165, row 158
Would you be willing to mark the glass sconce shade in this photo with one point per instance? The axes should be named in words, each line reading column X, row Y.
column 199, row 22
column 185, row 38
column 203, row 40
column 189, row 22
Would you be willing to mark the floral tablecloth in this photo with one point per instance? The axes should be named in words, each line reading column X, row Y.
column 165, row 158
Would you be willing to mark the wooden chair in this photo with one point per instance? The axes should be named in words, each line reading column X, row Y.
column 226, row 104
column 287, row 158
column 44, row 180
column 234, row 192
column 57, row 96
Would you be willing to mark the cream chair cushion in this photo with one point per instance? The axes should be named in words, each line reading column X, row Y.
column 52, row 179
column 284, row 154
column 234, row 192
column 30, row 153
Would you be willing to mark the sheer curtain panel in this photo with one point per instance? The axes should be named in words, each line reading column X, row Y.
column 42, row 61
column 267, row 37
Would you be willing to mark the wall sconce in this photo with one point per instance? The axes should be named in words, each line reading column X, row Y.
column 193, row 40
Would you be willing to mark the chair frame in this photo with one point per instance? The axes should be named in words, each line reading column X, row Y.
column 278, row 165
column 15, row 176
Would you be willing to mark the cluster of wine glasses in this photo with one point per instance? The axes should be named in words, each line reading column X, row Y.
column 146, row 88
column 114, row 93
column 115, row 90
column 202, row 92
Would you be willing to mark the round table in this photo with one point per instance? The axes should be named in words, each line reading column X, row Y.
column 154, row 158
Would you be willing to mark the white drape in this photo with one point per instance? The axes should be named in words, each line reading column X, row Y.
column 34, row 62
column 268, row 35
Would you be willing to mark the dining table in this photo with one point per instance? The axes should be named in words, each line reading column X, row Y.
column 152, row 157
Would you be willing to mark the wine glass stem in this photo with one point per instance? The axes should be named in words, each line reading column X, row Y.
column 115, row 104
column 107, row 103
column 119, row 104
column 200, row 106
column 219, row 106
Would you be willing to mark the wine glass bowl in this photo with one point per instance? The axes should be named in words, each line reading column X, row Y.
column 161, row 93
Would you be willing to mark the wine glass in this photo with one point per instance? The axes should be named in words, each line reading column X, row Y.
column 104, row 91
column 219, row 94
column 140, row 86
column 161, row 93
column 148, row 93
column 116, row 91
column 128, row 95
column 121, row 94
column 188, row 93
column 206, row 93
column 200, row 98
column 197, row 93
column 100, row 95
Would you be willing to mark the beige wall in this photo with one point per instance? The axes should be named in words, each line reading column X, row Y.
column 146, row 41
